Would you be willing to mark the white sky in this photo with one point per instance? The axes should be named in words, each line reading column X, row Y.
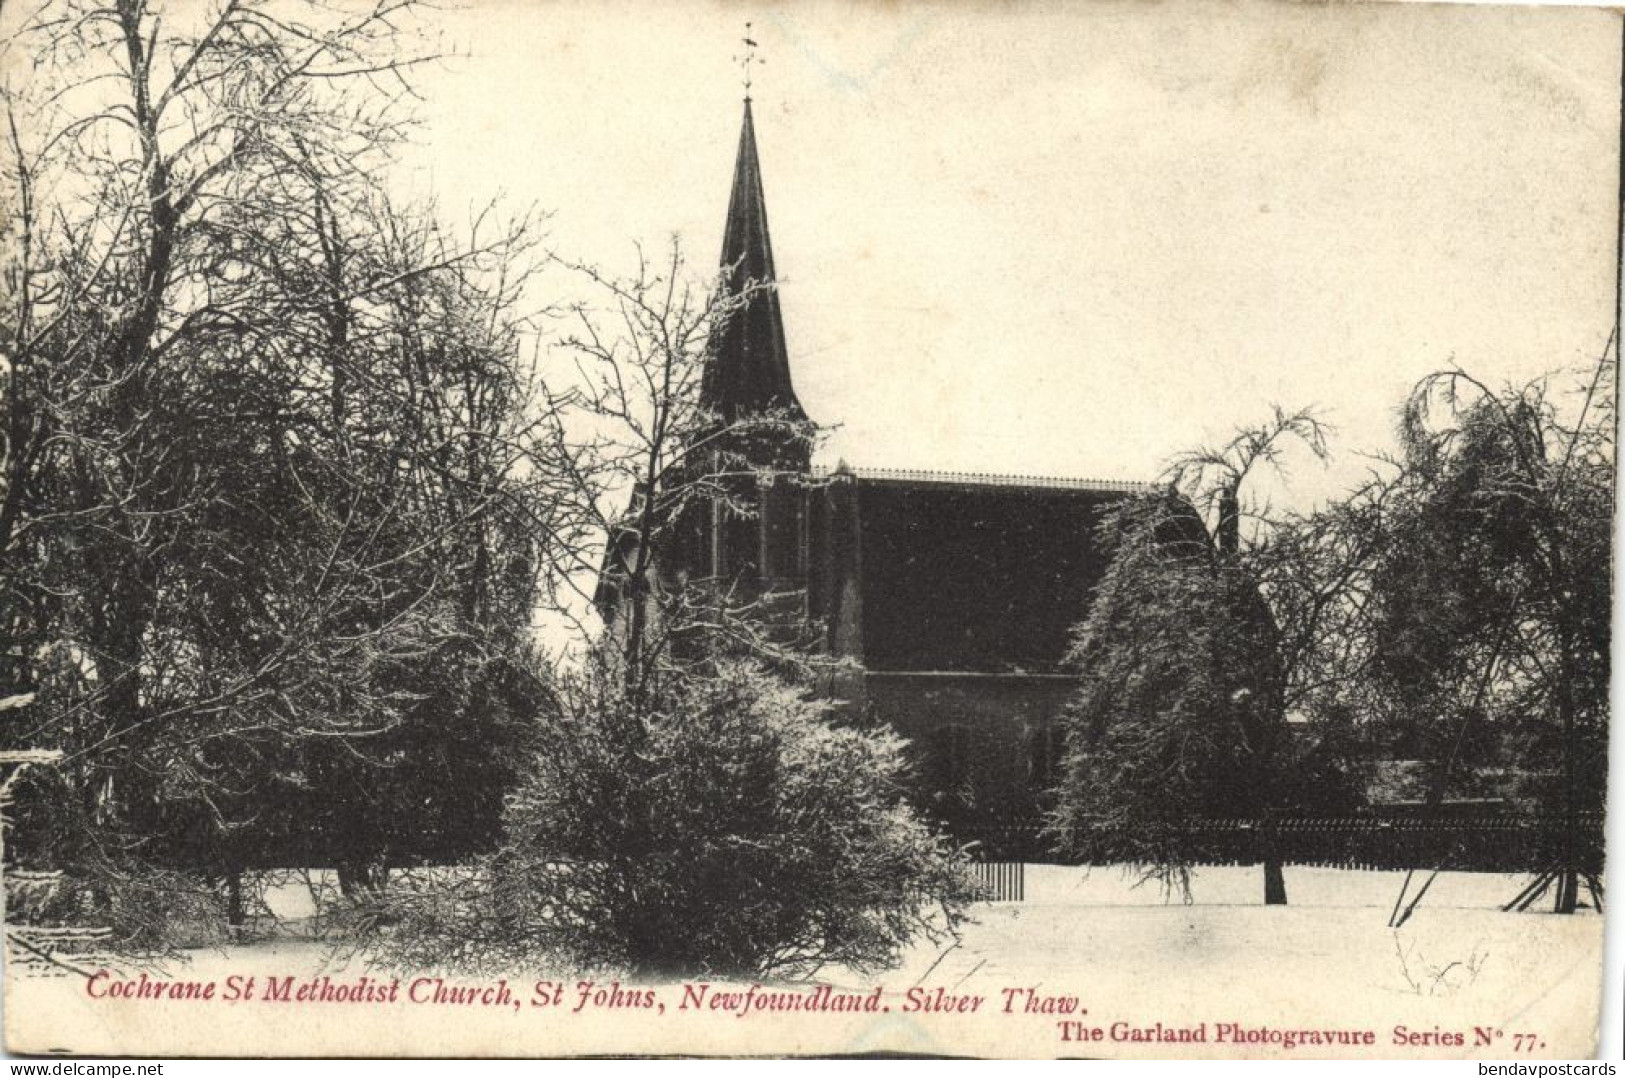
column 1075, row 239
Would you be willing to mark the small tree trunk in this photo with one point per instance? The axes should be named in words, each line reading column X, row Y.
column 362, row 879
column 234, row 901
column 1274, row 877
column 1568, row 891
column 1568, row 879
column 1274, row 883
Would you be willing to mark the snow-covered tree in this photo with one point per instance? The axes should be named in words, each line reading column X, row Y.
column 1490, row 599
column 1180, row 717
column 267, row 542
column 710, row 819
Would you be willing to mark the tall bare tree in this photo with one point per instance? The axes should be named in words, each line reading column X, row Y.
column 266, row 509
column 648, row 466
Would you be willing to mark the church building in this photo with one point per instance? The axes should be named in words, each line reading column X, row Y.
column 950, row 596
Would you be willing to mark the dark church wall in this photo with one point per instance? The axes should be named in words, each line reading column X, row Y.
column 984, row 749
column 963, row 577
column 958, row 599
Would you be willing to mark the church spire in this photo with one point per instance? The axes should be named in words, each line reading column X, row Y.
column 749, row 369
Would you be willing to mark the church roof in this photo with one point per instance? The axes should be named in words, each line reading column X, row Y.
column 749, row 370
column 986, row 479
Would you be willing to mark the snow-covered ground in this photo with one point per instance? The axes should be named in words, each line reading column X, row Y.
column 1138, row 956
column 1134, row 966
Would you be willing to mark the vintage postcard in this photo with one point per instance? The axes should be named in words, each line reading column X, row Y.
column 1006, row 530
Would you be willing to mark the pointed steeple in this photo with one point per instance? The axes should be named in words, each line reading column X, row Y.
column 749, row 370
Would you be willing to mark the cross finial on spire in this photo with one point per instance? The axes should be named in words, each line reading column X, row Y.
column 748, row 59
